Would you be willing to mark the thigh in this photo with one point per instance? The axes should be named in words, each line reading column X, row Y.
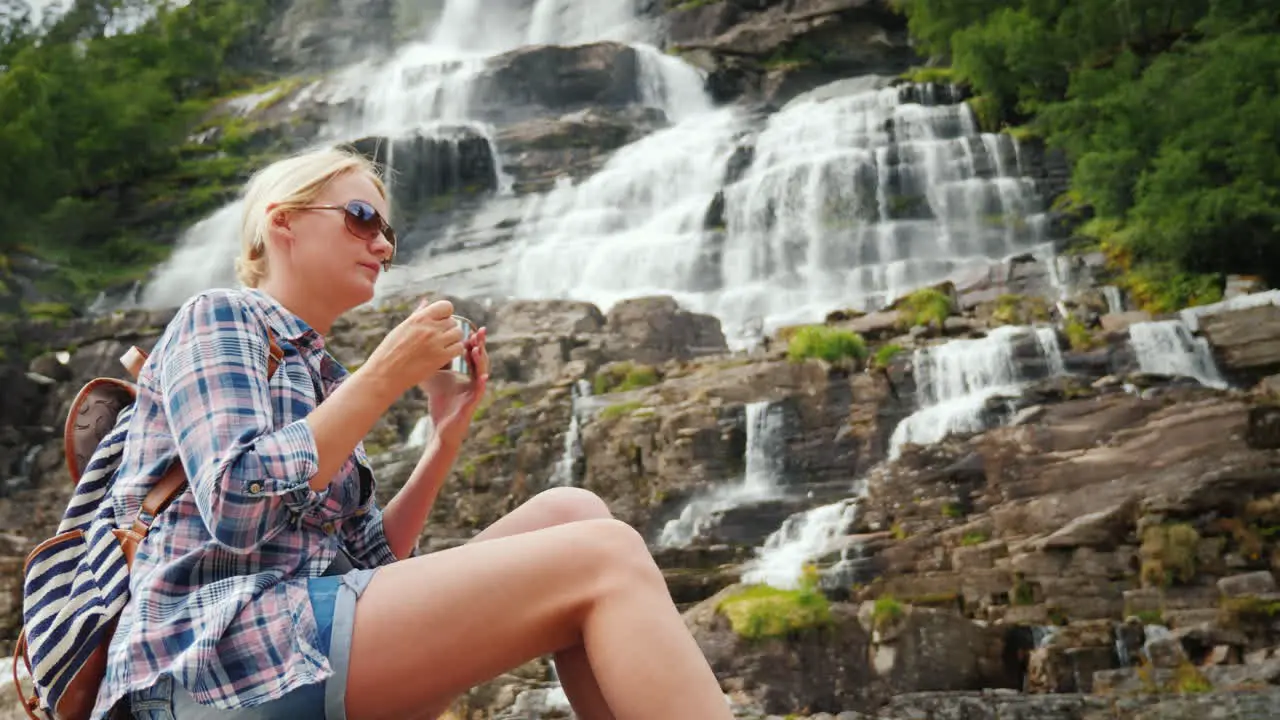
column 430, row 627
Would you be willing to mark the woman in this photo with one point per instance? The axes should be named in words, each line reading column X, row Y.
column 244, row 595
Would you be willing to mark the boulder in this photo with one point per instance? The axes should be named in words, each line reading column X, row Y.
column 1246, row 342
column 655, row 329
column 532, row 80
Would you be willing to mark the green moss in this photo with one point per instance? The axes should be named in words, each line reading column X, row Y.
column 760, row 611
column 831, row 344
column 987, row 112
column 1023, row 593
column 926, row 306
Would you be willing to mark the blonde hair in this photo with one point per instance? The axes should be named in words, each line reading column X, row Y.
column 290, row 183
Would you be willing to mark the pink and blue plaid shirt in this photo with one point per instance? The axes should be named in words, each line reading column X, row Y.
column 218, row 590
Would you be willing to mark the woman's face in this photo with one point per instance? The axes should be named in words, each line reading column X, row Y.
column 322, row 252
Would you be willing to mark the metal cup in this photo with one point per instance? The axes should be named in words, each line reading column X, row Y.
column 460, row 366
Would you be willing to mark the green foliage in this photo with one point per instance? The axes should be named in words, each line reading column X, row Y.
column 1078, row 336
column 1011, row 309
column 759, row 611
column 831, row 344
column 1166, row 108
column 622, row 377
column 86, row 117
column 926, row 306
column 973, row 537
column 940, row 75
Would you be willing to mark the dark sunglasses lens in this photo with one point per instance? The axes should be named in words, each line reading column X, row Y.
column 363, row 218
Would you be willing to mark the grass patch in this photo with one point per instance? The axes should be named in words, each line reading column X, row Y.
column 1239, row 611
column 952, row 510
column 926, row 306
column 826, row 343
column 760, row 611
column 885, row 354
column 622, row 377
column 886, row 612
column 617, row 410
column 973, row 537
column 1168, row 554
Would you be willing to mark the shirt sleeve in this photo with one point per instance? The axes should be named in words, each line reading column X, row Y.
column 248, row 478
column 363, row 534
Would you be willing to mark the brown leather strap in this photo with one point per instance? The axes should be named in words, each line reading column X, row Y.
column 174, row 481
column 160, row 496
column 133, row 360
column 29, row 704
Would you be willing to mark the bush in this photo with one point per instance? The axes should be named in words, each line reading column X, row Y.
column 926, row 306
column 885, row 355
column 831, row 344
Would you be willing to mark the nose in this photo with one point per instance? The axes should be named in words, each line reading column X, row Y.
column 383, row 248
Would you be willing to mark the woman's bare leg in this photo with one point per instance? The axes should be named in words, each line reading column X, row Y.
column 428, row 628
column 549, row 508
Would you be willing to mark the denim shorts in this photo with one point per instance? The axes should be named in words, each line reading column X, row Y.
column 333, row 601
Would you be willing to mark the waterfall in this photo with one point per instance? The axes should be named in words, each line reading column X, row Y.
column 763, row 456
column 1115, row 300
column 802, row 538
column 633, row 228
column 427, row 91
column 847, row 201
column 955, row 380
column 563, row 473
column 1167, row 347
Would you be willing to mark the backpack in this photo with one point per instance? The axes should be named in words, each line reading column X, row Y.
column 76, row 583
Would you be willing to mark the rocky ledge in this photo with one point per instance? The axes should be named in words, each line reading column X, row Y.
column 1099, row 544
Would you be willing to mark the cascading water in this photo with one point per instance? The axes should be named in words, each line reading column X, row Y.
column 802, row 538
column 1167, row 347
column 848, row 202
column 955, row 380
column 563, row 473
column 763, row 460
column 426, row 92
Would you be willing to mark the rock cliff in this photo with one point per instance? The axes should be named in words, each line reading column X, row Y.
column 1109, row 538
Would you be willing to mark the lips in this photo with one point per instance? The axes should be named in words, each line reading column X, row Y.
column 371, row 265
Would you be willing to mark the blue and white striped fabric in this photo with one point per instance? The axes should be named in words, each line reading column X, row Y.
column 77, row 582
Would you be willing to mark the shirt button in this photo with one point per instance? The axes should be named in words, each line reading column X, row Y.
column 328, row 528
column 360, row 512
column 255, row 488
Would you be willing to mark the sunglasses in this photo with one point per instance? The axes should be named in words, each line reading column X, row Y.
column 365, row 222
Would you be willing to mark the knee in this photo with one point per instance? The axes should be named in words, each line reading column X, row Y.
column 620, row 553
column 570, row 504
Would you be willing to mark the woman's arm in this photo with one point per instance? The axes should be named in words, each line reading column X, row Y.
column 407, row 512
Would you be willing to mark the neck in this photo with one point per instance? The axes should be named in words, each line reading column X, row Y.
column 307, row 306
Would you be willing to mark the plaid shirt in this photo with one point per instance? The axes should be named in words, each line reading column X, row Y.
column 218, row 590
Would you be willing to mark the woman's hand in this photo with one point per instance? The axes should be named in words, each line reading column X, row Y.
column 452, row 403
column 417, row 348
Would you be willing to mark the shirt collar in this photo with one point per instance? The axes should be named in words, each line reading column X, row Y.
column 285, row 324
